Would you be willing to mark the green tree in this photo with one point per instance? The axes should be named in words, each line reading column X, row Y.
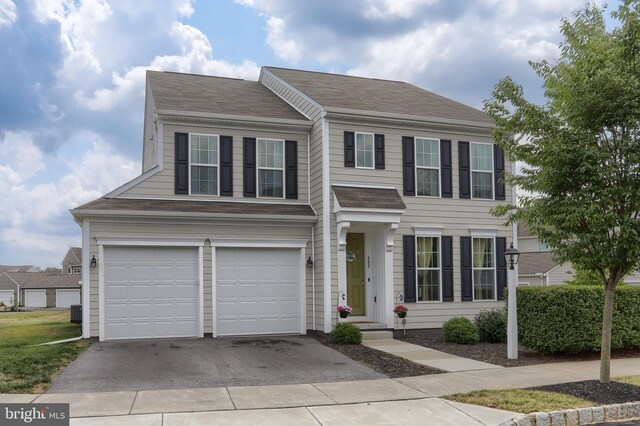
column 581, row 150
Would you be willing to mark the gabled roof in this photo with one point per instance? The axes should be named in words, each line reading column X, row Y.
column 77, row 252
column 217, row 95
column 370, row 198
column 535, row 263
column 371, row 94
column 16, row 268
column 41, row 280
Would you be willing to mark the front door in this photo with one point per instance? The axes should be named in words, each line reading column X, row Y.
column 355, row 273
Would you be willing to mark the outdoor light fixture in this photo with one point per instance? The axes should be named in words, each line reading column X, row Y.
column 309, row 262
column 94, row 262
column 512, row 255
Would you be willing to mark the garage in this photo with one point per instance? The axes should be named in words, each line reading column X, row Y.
column 7, row 297
column 67, row 297
column 151, row 292
column 258, row 291
column 35, row 298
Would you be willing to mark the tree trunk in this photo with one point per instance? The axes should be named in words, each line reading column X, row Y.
column 607, row 321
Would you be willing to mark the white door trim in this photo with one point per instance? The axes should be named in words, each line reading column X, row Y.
column 102, row 242
column 299, row 244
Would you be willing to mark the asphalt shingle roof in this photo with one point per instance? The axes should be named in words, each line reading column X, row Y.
column 217, row 95
column 43, row 280
column 370, row 94
column 374, row 198
column 535, row 263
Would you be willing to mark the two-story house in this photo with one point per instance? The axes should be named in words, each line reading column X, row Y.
column 72, row 262
column 262, row 206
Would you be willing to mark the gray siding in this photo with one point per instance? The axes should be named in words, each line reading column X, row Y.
column 162, row 184
column 69, row 261
column 204, row 230
column 149, row 143
column 528, row 244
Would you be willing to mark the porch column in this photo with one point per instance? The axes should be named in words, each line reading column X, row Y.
column 341, row 235
column 390, row 232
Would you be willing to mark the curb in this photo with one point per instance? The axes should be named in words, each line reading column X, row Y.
column 579, row 416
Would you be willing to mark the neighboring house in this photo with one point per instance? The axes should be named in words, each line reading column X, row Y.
column 9, row 290
column 19, row 268
column 72, row 262
column 537, row 267
column 41, row 290
column 264, row 205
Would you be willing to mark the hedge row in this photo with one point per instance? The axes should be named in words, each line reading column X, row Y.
column 569, row 318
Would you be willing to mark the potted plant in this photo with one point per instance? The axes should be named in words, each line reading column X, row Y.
column 344, row 311
column 401, row 310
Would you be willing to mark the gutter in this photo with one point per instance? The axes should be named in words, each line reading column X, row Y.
column 197, row 215
column 168, row 114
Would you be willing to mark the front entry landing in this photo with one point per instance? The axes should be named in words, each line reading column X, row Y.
column 356, row 294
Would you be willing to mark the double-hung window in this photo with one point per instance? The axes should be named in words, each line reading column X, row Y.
column 364, row 150
column 270, row 168
column 76, row 270
column 481, row 170
column 484, row 268
column 428, row 167
column 428, row 264
column 203, row 160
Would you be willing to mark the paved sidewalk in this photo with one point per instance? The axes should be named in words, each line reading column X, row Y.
column 427, row 356
column 382, row 401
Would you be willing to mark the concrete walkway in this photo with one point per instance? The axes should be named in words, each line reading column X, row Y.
column 427, row 356
column 383, row 401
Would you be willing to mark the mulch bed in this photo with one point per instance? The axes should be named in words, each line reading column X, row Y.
column 496, row 353
column 382, row 362
column 600, row 393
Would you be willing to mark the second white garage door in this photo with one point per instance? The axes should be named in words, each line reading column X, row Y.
column 7, row 297
column 151, row 292
column 67, row 297
column 257, row 291
column 35, row 298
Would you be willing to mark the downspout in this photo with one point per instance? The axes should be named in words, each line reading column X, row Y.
column 313, row 276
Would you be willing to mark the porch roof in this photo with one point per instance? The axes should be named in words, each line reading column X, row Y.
column 370, row 198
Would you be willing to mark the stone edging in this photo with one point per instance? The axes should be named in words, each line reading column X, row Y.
column 579, row 416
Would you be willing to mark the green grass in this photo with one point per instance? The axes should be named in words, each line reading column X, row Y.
column 521, row 400
column 25, row 369
column 632, row 380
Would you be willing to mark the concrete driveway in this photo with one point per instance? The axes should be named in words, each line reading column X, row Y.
column 200, row 363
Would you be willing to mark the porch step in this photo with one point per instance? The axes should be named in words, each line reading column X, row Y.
column 369, row 325
column 377, row 335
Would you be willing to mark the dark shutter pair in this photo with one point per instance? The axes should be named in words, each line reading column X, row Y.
column 350, row 150
column 464, row 167
column 410, row 268
column 182, row 164
column 466, row 268
column 290, row 168
column 408, row 167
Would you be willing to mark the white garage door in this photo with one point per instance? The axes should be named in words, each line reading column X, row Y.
column 66, row 298
column 257, row 291
column 7, row 297
column 151, row 292
column 35, row 298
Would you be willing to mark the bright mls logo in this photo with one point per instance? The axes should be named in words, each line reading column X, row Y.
column 34, row 414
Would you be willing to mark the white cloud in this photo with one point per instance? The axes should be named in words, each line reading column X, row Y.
column 8, row 13
column 280, row 41
column 389, row 9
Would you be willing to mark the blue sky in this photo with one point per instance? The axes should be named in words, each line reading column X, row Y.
column 72, row 78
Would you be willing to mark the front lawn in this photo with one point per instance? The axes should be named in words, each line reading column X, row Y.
column 26, row 369
column 521, row 400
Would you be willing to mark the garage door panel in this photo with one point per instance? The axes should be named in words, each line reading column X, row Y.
column 7, row 297
column 151, row 292
column 257, row 291
column 35, row 298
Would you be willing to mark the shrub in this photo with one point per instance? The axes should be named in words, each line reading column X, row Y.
column 460, row 330
column 568, row 319
column 345, row 334
column 492, row 325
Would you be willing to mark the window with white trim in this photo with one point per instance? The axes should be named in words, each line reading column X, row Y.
column 203, row 164
column 364, row 150
column 481, row 170
column 428, row 266
column 428, row 167
column 484, row 268
column 270, row 168
column 75, row 270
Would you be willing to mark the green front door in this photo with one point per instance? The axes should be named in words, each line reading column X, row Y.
column 355, row 273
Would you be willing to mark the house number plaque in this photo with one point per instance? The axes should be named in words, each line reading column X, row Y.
column 351, row 256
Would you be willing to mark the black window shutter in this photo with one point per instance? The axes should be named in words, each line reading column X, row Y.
column 498, row 165
column 291, row 169
column 464, row 168
column 349, row 149
column 182, row 163
column 501, row 263
column 379, row 151
column 445, row 168
column 408, row 165
column 409, row 268
column 447, row 268
column 226, row 166
column 466, row 269
column 249, row 167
